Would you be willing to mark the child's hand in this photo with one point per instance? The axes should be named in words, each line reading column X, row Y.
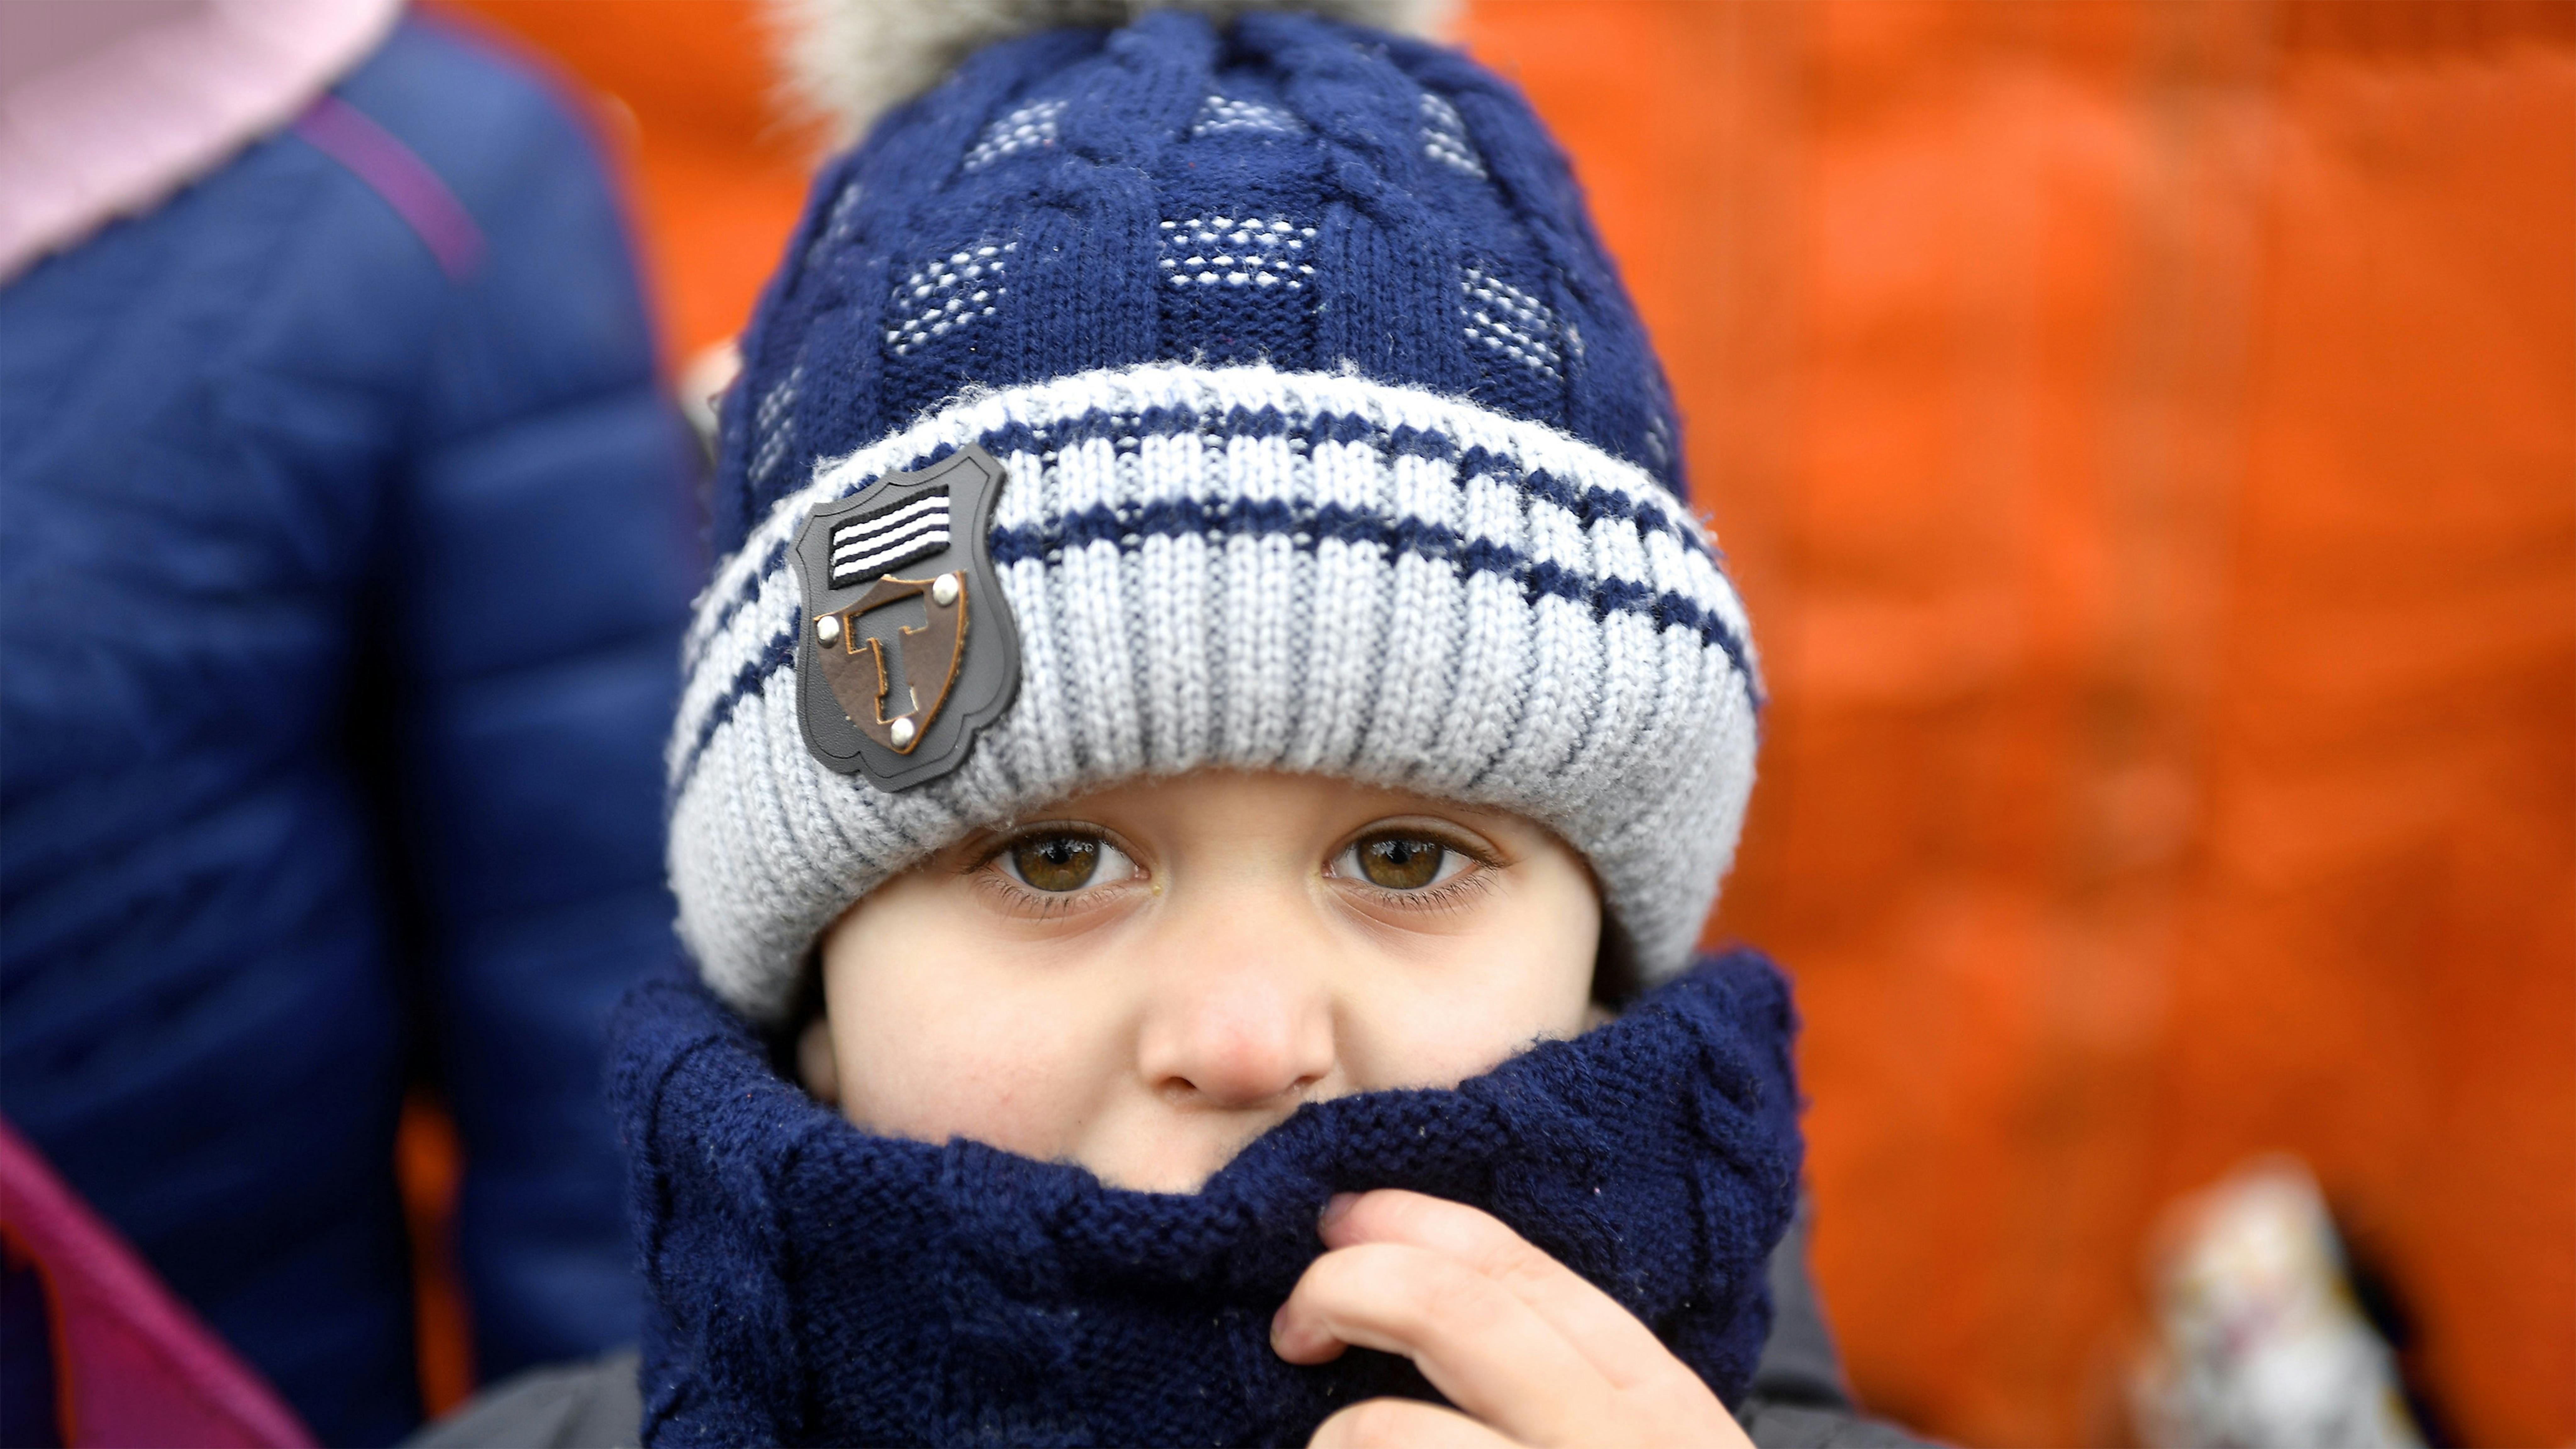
column 1533, row 1354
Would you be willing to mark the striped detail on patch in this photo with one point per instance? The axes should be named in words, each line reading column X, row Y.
column 888, row 538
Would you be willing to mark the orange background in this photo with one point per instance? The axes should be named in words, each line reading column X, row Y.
column 2146, row 436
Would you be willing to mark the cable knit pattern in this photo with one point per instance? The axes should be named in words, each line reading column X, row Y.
column 1333, row 445
column 812, row 1284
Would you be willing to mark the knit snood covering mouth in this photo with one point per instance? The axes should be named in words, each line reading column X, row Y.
column 811, row 1283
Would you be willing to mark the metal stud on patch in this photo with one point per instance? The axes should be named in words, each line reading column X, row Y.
column 828, row 629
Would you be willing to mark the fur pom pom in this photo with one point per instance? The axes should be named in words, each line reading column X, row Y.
column 849, row 61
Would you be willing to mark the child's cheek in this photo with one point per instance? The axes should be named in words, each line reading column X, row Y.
column 1010, row 1068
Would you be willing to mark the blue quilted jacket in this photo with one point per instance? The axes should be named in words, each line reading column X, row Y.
column 340, row 583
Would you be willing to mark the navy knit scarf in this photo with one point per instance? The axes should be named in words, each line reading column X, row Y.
column 812, row 1284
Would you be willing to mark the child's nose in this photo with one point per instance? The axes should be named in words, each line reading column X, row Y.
column 1237, row 1034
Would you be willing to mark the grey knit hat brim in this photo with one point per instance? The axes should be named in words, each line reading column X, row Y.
column 1246, row 568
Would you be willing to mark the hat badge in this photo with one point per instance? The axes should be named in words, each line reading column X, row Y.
column 908, row 648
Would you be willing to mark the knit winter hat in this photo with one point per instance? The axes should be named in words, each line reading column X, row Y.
column 1245, row 393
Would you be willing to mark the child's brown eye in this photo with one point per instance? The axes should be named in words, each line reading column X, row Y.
column 1056, row 862
column 1401, row 862
column 1059, row 863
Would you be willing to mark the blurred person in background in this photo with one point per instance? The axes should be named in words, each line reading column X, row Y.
column 344, row 542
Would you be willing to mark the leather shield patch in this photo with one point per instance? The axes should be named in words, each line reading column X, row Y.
column 906, row 648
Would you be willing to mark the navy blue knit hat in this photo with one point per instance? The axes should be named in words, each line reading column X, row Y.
column 1327, row 437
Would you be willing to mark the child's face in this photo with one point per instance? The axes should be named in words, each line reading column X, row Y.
column 1144, row 979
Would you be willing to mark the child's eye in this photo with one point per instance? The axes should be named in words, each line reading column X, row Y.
column 1062, row 861
column 1401, row 862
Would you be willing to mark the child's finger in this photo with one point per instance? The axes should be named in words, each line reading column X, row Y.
column 1409, row 1423
column 1622, row 1348
column 1483, row 1348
